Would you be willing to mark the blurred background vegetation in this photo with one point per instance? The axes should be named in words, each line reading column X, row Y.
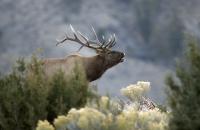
column 152, row 33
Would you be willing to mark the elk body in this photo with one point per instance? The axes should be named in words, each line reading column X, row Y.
column 93, row 66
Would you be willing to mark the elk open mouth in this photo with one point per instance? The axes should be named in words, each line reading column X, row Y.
column 122, row 58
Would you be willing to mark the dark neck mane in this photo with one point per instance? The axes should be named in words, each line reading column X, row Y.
column 95, row 67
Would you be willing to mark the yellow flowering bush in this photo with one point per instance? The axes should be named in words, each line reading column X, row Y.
column 44, row 125
column 61, row 122
column 102, row 116
column 136, row 91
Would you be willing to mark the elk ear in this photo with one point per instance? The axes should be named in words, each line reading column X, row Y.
column 99, row 52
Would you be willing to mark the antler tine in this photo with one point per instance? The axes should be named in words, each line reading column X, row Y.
column 96, row 45
column 75, row 36
column 78, row 40
column 71, row 27
column 84, row 37
column 114, row 44
column 109, row 42
column 80, row 48
column 104, row 41
column 95, row 34
column 103, row 37
column 74, row 33
column 114, row 41
column 65, row 38
column 102, row 44
column 61, row 41
column 88, row 42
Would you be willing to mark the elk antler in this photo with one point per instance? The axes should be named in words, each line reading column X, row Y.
column 96, row 45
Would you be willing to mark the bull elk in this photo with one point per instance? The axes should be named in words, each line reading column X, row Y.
column 93, row 66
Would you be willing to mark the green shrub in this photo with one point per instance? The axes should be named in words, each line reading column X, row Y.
column 184, row 95
column 67, row 93
column 27, row 95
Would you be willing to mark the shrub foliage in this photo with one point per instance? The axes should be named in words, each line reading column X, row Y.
column 27, row 95
column 110, row 114
column 184, row 95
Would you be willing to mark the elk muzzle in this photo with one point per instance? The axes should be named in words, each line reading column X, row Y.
column 122, row 55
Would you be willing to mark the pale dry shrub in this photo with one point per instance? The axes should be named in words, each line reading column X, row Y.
column 101, row 116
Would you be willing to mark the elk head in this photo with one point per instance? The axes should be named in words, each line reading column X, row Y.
column 105, row 58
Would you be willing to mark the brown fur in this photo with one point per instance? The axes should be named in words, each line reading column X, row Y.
column 93, row 66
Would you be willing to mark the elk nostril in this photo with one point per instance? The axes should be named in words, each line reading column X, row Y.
column 123, row 54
